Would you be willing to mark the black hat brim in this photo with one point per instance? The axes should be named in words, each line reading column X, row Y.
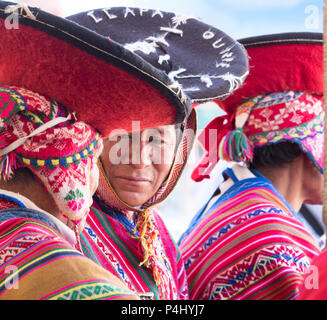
column 105, row 84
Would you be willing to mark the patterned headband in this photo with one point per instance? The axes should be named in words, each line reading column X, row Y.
column 38, row 133
column 297, row 117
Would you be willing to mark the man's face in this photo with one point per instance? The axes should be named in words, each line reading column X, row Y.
column 137, row 164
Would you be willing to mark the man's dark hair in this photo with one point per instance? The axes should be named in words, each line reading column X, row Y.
column 23, row 174
column 275, row 155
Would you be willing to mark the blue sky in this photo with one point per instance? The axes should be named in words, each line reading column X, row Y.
column 238, row 18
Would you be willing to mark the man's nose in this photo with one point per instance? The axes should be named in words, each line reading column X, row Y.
column 141, row 154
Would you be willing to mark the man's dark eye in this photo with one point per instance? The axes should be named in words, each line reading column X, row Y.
column 125, row 136
column 155, row 140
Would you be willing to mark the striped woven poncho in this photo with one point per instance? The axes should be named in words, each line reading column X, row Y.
column 108, row 240
column 38, row 263
column 38, row 252
column 114, row 242
column 248, row 244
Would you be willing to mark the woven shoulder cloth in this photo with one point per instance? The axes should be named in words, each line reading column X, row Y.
column 248, row 246
column 36, row 263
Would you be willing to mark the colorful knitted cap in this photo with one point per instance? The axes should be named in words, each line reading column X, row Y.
column 282, row 100
column 38, row 133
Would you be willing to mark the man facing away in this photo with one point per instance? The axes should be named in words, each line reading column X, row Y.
column 247, row 242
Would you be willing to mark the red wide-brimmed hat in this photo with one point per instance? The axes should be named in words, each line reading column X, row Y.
column 281, row 62
column 280, row 100
column 105, row 84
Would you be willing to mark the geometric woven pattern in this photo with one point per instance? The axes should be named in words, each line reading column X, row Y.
column 258, row 267
column 249, row 245
column 89, row 291
column 107, row 241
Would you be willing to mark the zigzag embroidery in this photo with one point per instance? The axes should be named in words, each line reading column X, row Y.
column 89, row 291
column 256, row 267
column 18, row 246
column 113, row 261
column 225, row 229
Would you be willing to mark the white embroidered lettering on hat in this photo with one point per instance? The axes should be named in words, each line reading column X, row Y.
column 207, row 63
column 142, row 10
column 158, row 40
column 158, row 12
column 163, row 58
column 174, row 74
column 22, row 7
column 208, row 35
column 217, row 44
column 110, row 16
column 91, row 14
column 234, row 81
column 172, row 30
column 129, row 11
column 177, row 86
column 206, row 79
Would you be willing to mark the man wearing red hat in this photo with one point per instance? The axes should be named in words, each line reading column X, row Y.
column 248, row 241
column 109, row 86
column 55, row 107
column 124, row 232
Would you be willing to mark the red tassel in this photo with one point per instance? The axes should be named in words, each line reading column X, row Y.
column 210, row 139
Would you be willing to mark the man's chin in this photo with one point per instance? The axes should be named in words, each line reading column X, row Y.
column 132, row 198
